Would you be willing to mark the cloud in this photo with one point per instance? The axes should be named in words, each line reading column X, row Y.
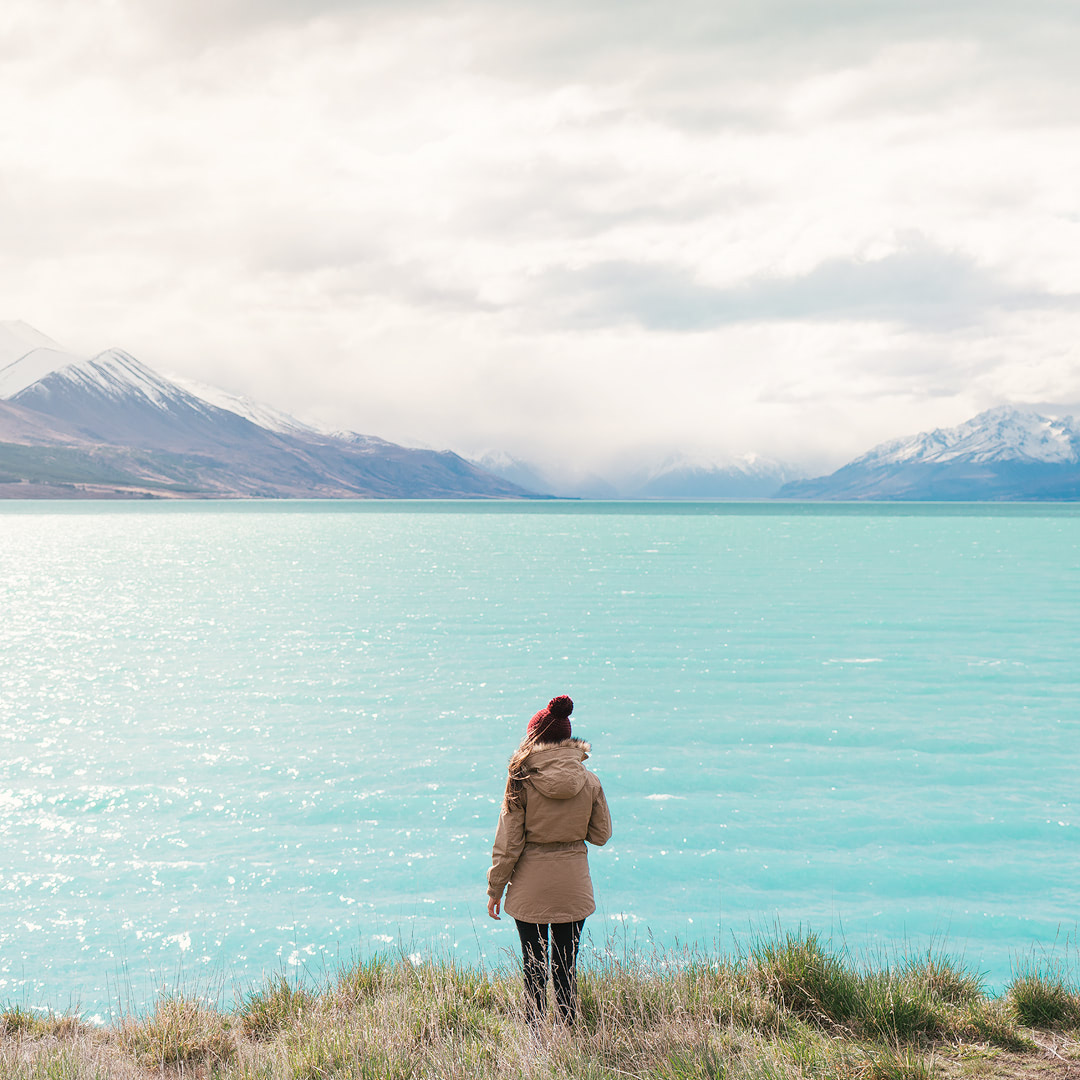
column 747, row 226
column 920, row 287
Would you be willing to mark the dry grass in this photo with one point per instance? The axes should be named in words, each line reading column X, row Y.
column 791, row 1009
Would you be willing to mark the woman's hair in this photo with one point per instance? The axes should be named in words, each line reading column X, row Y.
column 517, row 772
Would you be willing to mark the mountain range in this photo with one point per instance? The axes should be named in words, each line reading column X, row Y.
column 677, row 477
column 109, row 426
column 1005, row 453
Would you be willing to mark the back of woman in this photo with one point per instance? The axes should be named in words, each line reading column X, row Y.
column 552, row 807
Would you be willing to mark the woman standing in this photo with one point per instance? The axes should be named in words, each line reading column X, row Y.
column 552, row 806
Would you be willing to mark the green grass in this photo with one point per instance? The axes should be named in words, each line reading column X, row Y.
column 792, row 1008
column 116, row 467
column 1042, row 997
column 805, row 978
column 58, row 464
column 16, row 1021
column 278, row 1004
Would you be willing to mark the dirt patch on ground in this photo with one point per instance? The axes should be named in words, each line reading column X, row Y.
column 1057, row 1058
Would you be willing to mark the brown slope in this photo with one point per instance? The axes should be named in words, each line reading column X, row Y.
column 22, row 425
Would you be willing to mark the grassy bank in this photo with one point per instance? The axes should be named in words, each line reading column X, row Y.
column 791, row 1008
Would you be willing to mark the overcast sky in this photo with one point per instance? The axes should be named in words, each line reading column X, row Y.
column 576, row 231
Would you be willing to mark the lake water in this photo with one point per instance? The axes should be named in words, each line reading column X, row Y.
column 238, row 738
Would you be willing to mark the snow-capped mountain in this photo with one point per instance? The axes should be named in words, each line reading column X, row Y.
column 1009, row 452
column 18, row 338
column 113, row 373
column 27, row 355
column 682, row 477
column 563, row 482
column 111, row 425
column 113, row 398
column 678, row 477
column 1002, row 434
column 517, row 471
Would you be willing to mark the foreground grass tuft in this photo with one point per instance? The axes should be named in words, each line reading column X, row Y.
column 263, row 1013
column 945, row 979
column 1042, row 998
column 806, row 978
column 180, row 1031
column 792, row 1008
column 15, row 1021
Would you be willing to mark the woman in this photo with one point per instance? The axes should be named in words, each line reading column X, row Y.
column 553, row 804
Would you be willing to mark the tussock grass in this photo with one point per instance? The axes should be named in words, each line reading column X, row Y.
column 805, row 978
column 945, row 979
column 16, row 1020
column 264, row 1012
column 180, row 1031
column 1042, row 997
column 791, row 1008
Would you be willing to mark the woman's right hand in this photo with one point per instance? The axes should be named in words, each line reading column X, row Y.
column 493, row 907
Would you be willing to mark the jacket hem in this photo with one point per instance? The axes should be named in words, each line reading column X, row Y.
column 550, row 917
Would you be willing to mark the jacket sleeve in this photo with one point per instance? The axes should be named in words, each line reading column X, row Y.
column 505, row 852
column 600, row 823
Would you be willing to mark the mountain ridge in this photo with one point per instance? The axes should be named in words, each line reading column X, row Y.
column 677, row 477
column 111, row 426
column 1006, row 453
column 1004, row 433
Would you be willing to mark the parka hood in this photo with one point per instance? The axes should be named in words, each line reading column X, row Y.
column 556, row 769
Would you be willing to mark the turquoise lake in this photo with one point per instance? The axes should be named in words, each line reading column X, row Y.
column 242, row 738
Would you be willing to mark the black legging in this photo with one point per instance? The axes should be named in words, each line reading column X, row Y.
column 534, row 951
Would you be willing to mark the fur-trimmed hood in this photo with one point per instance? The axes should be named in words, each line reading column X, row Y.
column 556, row 769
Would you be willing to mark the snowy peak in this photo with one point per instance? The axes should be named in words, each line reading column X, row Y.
column 27, row 355
column 18, row 338
column 265, row 416
column 1003, row 434
column 358, row 441
column 44, row 368
column 750, row 466
column 117, row 375
column 32, row 367
column 1006, row 453
column 681, row 476
column 750, row 476
column 113, row 394
column 526, row 475
column 114, row 399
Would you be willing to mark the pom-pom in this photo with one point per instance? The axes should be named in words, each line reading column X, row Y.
column 560, row 706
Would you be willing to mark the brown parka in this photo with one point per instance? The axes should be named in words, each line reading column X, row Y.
column 539, row 853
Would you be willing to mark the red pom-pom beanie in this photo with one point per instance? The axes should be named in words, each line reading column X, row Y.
column 553, row 723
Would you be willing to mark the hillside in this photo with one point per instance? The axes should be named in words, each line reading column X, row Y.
column 1007, row 453
column 793, row 1009
column 109, row 426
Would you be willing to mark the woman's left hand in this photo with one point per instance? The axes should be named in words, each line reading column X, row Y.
column 493, row 907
